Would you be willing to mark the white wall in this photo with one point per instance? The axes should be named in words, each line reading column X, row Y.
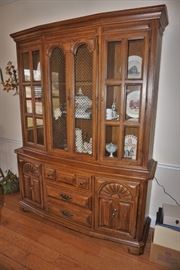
column 25, row 14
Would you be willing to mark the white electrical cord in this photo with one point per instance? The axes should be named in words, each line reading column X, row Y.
column 167, row 192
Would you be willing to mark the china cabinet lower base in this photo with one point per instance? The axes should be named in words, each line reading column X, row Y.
column 133, row 246
column 104, row 203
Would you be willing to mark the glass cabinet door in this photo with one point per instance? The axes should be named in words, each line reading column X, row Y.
column 83, row 100
column 72, row 94
column 58, row 99
column 123, row 105
column 134, row 105
column 33, row 97
column 112, row 99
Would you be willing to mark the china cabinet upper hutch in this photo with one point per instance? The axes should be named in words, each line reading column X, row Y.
column 88, row 95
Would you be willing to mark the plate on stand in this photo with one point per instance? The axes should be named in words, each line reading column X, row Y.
column 134, row 67
column 133, row 104
column 130, row 147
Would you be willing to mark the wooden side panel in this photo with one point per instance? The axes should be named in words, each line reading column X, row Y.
column 27, row 187
column 105, row 207
column 124, row 216
column 36, row 190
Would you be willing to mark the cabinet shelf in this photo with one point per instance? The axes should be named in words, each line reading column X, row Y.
column 133, row 81
column 131, row 123
column 119, row 82
column 112, row 123
column 113, row 82
column 83, row 118
column 83, row 81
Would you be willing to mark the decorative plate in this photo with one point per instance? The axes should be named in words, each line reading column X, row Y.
column 130, row 146
column 133, row 104
column 134, row 67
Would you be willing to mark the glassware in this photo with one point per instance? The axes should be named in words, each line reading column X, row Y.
column 111, row 148
column 82, row 104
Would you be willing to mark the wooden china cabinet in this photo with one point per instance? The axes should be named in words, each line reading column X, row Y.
column 88, row 95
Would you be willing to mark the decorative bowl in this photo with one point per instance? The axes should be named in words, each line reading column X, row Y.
column 111, row 148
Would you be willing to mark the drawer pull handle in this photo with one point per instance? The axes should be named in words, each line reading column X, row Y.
column 51, row 174
column 82, row 183
column 114, row 212
column 66, row 213
column 65, row 197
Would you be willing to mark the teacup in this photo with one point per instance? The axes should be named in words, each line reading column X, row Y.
column 109, row 114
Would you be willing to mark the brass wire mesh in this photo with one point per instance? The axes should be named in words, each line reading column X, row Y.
column 58, row 95
column 83, row 73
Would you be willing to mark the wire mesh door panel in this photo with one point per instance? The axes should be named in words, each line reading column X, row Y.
column 83, row 104
column 58, row 98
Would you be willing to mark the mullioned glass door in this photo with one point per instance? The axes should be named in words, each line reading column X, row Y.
column 123, row 98
column 33, row 100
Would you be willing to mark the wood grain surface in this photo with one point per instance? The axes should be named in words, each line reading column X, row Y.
column 29, row 242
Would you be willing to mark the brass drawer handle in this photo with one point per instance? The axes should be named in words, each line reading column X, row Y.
column 31, row 187
column 51, row 174
column 65, row 197
column 114, row 212
column 82, row 184
column 66, row 213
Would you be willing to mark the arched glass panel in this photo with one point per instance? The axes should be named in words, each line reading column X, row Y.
column 83, row 75
column 58, row 99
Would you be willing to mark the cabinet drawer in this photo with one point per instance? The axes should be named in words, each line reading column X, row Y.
column 69, row 212
column 66, row 195
column 83, row 181
column 58, row 176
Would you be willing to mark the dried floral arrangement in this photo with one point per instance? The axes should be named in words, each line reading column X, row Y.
column 12, row 82
column 9, row 182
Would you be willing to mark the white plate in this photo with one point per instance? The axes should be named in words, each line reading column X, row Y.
column 130, row 146
column 133, row 104
column 134, row 67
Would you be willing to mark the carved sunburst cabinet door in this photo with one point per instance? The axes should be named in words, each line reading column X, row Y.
column 117, row 207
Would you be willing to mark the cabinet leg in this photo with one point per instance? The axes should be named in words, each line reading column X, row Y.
column 24, row 209
column 140, row 250
column 135, row 250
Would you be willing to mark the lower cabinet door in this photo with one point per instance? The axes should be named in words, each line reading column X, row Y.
column 31, row 182
column 116, row 207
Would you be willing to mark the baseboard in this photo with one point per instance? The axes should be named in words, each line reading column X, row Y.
column 168, row 176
